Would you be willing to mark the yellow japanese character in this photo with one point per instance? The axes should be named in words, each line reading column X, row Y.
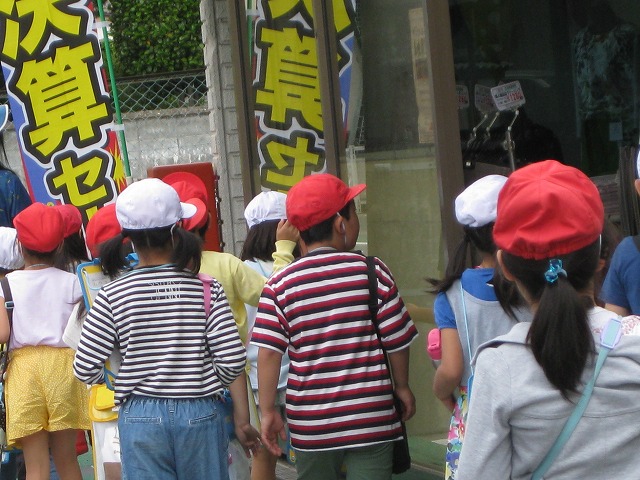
column 62, row 98
column 302, row 155
column 291, row 82
column 83, row 183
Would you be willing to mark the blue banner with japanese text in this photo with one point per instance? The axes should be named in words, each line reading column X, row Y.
column 286, row 86
column 62, row 112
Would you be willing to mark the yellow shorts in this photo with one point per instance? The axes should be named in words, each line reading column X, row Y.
column 43, row 394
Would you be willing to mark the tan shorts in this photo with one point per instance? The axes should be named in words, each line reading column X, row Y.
column 43, row 394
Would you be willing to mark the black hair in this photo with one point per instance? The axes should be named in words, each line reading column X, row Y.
column 560, row 336
column 611, row 237
column 480, row 239
column 261, row 242
column 187, row 248
column 43, row 257
column 73, row 252
column 324, row 230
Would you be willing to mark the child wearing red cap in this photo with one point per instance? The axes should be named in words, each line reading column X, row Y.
column 529, row 381
column 179, row 343
column 472, row 306
column 339, row 393
column 45, row 403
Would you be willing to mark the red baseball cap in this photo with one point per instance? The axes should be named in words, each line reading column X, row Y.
column 191, row 189
column 40, row 227
column 547, row 209
column 102, row 226
column 317, row 198
column 71, row 217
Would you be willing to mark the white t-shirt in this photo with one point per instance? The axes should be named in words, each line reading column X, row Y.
column 43, row 301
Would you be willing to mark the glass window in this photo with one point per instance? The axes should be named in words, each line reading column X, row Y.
column 390, row 146
column 577, row 64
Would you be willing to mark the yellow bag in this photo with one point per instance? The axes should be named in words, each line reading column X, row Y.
column 101, row 404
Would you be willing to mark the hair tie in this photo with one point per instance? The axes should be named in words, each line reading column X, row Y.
column 555, row 269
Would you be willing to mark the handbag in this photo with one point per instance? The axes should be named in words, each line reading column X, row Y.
column 401, row 454
column 4, row 361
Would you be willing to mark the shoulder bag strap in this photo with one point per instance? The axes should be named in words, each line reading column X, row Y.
column 8, row 302
column 609, row 338
column 373, row 303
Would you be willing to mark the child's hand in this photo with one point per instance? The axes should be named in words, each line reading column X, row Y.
column 249, row 438
column 286, row 231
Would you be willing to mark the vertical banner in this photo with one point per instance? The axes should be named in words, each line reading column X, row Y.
column 286, row 86
column 52, row 65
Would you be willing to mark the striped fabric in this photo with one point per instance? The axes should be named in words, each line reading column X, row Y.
column 338, row 394
column 156, row 317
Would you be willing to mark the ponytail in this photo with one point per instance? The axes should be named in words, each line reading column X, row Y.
column 455, row 267
column 112, row 256
column 187, row 250
column 481, row 238
column 560, row 334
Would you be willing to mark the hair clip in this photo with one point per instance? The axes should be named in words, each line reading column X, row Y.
column 555, row 269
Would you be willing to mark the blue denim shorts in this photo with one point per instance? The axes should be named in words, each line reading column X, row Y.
column 173, row 438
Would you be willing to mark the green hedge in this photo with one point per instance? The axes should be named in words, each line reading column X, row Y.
column 155, row 36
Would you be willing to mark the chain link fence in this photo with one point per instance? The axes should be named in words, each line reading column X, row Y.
column 175, row 91
column 166, row 120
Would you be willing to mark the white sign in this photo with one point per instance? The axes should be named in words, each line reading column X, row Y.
column 462, row 92
column 508, row 96
column 483, row 99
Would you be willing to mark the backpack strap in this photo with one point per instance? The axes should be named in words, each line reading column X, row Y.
column 608, row 339
column 206, row 290
column 636, row 240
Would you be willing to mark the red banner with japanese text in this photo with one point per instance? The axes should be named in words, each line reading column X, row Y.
column 286, row 86
column 62, row 112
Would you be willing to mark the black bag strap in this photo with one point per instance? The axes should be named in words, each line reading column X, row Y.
column 8, row 301
column 373, row 304
column 636, row 240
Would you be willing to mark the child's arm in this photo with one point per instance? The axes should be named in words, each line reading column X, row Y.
column 287, row 237
column 449, row 374
column 248, row 436
column 269, row 362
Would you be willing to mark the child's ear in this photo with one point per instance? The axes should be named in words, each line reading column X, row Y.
column 506, row 273
column 637, row 185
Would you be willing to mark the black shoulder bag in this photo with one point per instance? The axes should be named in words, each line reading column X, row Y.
column 401, row 455
column 4, row 358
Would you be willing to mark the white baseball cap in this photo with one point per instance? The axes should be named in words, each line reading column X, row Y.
column 477, row 205
column 266, row 206
column 150, row 203
column 10, row 257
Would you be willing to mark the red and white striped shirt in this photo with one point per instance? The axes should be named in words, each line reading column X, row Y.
column 339, row 394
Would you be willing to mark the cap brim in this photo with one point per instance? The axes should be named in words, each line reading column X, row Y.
column 188, row 210
column 355, row 191
column 199, row 219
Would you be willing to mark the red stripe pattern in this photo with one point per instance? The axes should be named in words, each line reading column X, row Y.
column 339, row 394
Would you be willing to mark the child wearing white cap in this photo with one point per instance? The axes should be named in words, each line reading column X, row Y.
column 179, row 342
column 472, row 305
column 264, row 214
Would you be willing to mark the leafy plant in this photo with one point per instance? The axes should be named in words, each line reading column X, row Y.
column 155, row 36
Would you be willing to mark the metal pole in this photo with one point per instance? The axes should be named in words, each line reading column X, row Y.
column 114, row 91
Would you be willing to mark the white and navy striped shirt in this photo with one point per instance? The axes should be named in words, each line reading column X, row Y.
column 155, row 316
column 339, row 394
